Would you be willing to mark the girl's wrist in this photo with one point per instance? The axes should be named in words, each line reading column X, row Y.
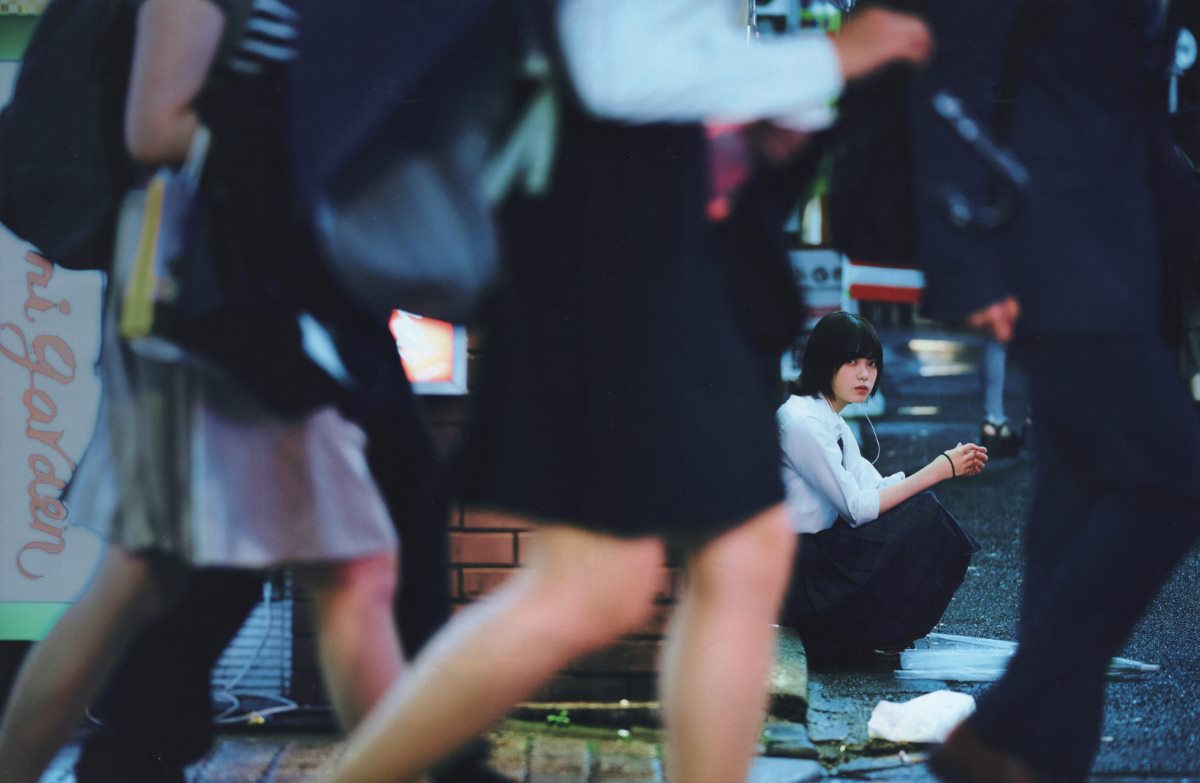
column 949, row 459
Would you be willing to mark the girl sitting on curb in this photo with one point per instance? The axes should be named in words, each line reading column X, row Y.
column 879, row 558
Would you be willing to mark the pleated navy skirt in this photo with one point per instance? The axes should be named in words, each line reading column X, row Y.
column 630, row 376
column 881, row 585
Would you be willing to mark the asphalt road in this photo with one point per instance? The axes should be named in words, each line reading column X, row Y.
column 1152, row 726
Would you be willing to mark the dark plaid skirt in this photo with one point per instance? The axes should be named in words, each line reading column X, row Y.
column 880, row 585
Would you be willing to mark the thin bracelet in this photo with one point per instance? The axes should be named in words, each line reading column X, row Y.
column 953, row 472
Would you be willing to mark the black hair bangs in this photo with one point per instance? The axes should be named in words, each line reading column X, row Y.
column 838, row 338
column 865, row 345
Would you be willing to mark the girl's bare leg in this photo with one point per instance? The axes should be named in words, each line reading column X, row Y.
column 64, row 671
column 580, row 591
column 720, row 648
column 357, row 640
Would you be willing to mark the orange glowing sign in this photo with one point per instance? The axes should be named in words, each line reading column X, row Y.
column 434, row 353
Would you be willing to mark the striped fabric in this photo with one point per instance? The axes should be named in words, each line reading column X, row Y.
column 270, row 37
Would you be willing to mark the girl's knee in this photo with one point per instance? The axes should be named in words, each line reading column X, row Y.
column 596, row 602
column 370, row 579
column 621, row 610
column 592, row 623
column 753, row 559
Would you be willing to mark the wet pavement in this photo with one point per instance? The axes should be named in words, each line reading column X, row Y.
column 934, row 400
column 1152, row 725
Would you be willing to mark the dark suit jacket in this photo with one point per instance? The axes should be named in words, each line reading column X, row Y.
column 1080, row 104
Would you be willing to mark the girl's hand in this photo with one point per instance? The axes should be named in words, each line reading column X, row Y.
column 967, row 459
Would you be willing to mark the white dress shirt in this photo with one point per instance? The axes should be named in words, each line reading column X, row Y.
column 825, row 481
column 689, row 61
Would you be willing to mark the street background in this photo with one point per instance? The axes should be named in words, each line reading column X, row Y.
column 933, row 394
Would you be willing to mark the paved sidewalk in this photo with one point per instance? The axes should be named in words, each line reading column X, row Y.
column 563, row 744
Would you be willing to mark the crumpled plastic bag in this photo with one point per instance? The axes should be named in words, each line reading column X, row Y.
column 927, row 718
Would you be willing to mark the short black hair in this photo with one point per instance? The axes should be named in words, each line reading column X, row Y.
column 837, row 338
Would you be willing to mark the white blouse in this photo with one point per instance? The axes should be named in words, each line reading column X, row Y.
column 825, row 480
column 689, row 61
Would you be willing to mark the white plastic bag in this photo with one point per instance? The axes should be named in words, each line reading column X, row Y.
column 927, row 718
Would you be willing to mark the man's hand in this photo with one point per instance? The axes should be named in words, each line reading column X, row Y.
column 997, row 318
column 875, row 37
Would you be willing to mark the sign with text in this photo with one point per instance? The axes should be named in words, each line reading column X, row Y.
column 49, row 391
column 818, row 272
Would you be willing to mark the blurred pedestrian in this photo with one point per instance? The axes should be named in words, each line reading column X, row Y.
column 156, row 709
column 187, row 467
column 879, row 558
column 627, row 402
column 1074, row 280
column 996, row 434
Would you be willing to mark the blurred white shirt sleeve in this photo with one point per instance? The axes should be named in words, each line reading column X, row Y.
column 688, row 60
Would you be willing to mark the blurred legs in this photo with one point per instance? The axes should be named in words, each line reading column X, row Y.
column 356, row 631
column 581, row 591
column 720, row 649
column 66, row 669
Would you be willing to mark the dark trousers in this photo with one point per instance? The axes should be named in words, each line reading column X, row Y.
column 1117, row 460
column 156, row 708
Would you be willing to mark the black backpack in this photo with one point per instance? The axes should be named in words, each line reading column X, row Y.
column 63, row 164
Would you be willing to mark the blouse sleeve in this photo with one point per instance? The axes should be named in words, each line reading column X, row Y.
column 864, row 471
column 689, row 60
column 814, row 452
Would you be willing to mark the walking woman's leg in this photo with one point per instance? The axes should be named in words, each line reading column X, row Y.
column 720, row 648
column 66, row 669
column 357, row 640
column 580, row 591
